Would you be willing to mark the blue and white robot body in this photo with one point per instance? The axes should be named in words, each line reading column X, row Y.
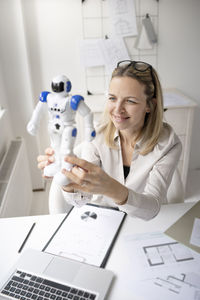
column 62, row 108
column 59, row 108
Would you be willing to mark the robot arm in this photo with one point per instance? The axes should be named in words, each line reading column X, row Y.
column 33, row 124
column 77, row 103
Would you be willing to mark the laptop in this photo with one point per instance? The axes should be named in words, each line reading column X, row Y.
column 39, row 275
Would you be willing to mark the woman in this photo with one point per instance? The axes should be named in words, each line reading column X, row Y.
column 131, row 161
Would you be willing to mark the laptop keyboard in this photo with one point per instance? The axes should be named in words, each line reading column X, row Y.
column 25, row 286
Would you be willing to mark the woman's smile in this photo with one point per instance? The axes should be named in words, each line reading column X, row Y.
column 119, row 119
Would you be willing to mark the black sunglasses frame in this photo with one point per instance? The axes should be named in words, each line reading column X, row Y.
column 134, row 63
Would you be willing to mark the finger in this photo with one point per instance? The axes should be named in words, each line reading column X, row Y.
column 80, row 162
column 46, row 177
column 75, row 187
column 41, row 158
column 42, row 165
column 81, row 173
column 49, row 151
column 44, row 158
column 73, row 177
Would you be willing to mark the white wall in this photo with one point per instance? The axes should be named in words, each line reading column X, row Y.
column 16, row 80
column 6, row 133
column 53, row 30
column 179, row 56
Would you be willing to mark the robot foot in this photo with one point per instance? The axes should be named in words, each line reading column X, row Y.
column 61, row 179
column 51, row 169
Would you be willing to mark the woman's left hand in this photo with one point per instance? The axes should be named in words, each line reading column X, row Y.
column 90, row 178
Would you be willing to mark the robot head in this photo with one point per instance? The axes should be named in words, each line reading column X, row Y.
column 61, row 84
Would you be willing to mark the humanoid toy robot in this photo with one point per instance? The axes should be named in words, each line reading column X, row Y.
column 62, row 108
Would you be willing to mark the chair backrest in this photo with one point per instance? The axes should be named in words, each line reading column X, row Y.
column 175, row 193
column 57, row 204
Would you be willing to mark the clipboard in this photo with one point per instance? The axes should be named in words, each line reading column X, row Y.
column 87, row 234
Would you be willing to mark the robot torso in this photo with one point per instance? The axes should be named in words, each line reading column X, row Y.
column 60, row 112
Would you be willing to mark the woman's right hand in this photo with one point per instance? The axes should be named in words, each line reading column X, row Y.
column 46, row 159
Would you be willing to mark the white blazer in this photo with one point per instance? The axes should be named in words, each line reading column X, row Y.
column 148, row 180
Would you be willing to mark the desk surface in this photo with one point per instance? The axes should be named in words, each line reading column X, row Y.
column 14, row 230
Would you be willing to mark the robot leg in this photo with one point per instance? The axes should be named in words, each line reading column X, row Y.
column 67, row 146
column 55, row 167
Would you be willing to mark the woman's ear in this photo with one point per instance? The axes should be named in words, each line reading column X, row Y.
column 149, row 104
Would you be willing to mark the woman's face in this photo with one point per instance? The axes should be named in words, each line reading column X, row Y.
column 127, row 105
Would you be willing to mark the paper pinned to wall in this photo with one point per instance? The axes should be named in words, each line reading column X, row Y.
column 105, row 52
column 114, row 50
column 90, row 53
column 123, row 17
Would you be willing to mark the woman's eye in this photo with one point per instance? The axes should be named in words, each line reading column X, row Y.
column 111, row 98
column 131, row 101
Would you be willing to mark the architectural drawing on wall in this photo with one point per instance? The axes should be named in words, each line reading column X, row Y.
column 167, row 253
column 90, row 53
column 113, row 50
column 123, row 17
column 105, row 52
column 117, row 19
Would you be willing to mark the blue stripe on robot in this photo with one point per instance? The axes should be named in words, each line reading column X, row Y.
column 74, row 132
column 68, row 86
column 43, row 96
column 93, row 134
column 74, row 102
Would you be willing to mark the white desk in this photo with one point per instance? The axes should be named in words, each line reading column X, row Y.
column 14, row 230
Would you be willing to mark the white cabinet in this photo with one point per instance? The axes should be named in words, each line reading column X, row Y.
column 179, row 114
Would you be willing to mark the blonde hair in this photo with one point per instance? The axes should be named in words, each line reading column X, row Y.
column 153, row 120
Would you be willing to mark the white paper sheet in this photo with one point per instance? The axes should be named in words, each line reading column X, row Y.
column 195, row 236
column 113, row 50
column 123, row 17
column 86, row 234
column 90, row 53
column 105, row 52
column 163, row 268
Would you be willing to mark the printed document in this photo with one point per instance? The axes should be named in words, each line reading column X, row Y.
column 163, row 268
column 87, row 234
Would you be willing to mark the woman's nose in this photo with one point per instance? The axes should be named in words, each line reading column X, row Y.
column 119, row 107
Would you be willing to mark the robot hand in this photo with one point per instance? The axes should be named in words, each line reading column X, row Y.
column 90, row 133
column 32, row 128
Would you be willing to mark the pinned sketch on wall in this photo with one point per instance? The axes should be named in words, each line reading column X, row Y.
column 105, row 52
column 90, row 53
column 123, row 17
column 113, row 50
column 127, row 20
